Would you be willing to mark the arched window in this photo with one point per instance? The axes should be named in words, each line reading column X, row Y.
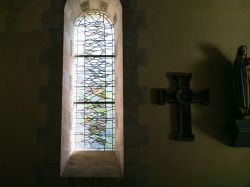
column 92, row 90
column 94, row 83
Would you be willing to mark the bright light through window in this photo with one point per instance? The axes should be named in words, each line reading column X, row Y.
column 93, row 83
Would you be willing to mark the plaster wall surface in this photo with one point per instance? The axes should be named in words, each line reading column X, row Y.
column 200, row 37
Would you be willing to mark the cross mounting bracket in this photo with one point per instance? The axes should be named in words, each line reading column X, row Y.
column 183, row 96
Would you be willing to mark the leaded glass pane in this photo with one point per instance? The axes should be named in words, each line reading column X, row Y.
column 94, row 92
column 94, row 126
column 94, row 35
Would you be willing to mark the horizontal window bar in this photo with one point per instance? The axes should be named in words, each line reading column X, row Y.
column 94, row 102
column 97, row 56
column 95, row 86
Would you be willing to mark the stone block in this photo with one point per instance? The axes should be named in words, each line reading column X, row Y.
column 52, row 20
column 55, row 77
column 135, row 135
column 51, row 95
column 56, row 38
column 135, row 56
column 41, row 135
column 136, row 175
column 104, row 6
column 130, row 76
column 73, row 18
column 134, row 20
column 133, row 96
column 131, row 99
column 128, row 5
column 85, row 6
column 115, row 19
column 130, row 38
column 51, row 56
column 54, row 114
column 53, row 155
column 143, row 95
column 49, row 135
column 132, row 155
column 67, row 11
column 131, row 115
column 76, row 9
column 57, row 5
column 130, row 118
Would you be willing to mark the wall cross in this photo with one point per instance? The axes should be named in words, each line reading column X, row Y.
column 184, row 96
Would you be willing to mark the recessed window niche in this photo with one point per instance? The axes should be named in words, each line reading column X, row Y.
column 92, row 107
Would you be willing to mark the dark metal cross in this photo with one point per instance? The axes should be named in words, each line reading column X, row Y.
column 184, row 96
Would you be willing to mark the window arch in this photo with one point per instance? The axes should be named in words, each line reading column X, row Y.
column 94, row 83
column 92, row 89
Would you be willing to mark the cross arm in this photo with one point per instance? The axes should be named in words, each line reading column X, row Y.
column 165, row 96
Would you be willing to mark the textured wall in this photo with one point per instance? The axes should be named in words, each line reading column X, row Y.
column 194, row 36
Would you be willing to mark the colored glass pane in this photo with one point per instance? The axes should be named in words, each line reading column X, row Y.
column 94, row 92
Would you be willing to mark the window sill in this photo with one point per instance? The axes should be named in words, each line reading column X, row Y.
column 92, row 164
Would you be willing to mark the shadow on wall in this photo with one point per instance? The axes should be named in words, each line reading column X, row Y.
column 216, row 74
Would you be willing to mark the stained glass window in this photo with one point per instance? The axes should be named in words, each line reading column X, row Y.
column 93, row 84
